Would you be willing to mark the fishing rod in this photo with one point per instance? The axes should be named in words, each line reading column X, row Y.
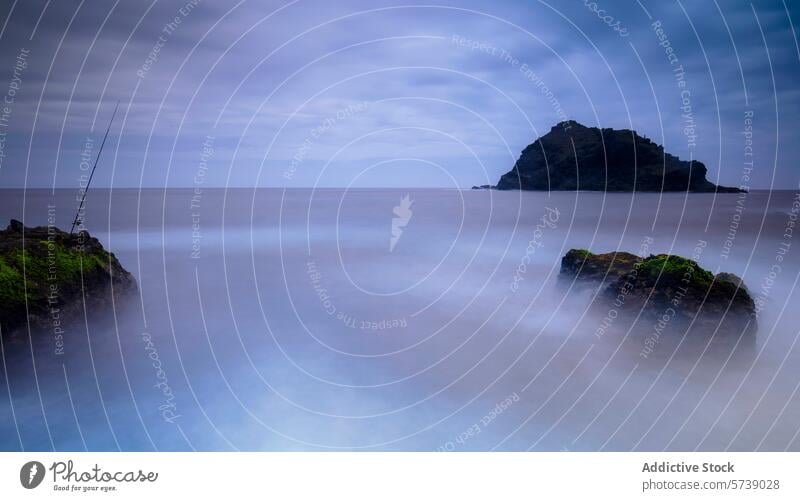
column 96, row 160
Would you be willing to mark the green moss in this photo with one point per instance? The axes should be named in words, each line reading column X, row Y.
column 597, row 266
column 614, row 262
column 675, row 269
column 36, row 269
column 581, row 253
column 68, row 263
column 12, row 291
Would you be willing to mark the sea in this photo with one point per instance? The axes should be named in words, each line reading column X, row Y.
column 403, row 320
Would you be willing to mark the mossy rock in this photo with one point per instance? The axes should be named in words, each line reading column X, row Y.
column 44, row 271
column 597, row 267
column 664, row 284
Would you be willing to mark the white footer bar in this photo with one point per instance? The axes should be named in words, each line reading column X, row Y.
column 400, row 476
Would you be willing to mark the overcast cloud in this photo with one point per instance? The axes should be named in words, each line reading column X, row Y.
column 385, row 93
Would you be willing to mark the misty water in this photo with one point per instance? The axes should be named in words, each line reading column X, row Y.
column 289, row 319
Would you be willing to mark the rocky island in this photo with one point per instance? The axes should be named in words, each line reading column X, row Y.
column 603, row 160
column 46, row 276
column 664, row 286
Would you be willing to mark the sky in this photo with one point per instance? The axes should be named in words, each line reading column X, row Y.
column 386, row 92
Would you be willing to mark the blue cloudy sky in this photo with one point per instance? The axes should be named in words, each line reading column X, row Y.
column 386, row 92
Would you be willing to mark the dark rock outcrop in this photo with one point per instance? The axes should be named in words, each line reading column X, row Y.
column 46, row 277
column 603, row 160
column 664, row 287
